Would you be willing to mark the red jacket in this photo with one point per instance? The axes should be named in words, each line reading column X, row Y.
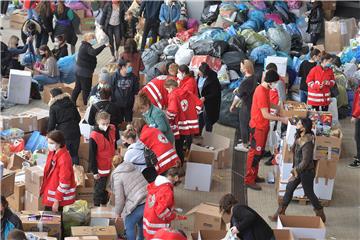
column 189, row 84
column 154, row 139
column 183, row 109
column 156, row 91
column 105, row 150
column 30, row 4
column 317, row 77
column 356, row 104
column 59, row 181
column 159, row 206
column 168, row 234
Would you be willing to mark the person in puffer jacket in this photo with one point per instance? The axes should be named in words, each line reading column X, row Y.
column 129, row 187
column 159, row 207
column 356, row 119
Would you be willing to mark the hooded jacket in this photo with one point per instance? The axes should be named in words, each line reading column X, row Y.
column 124, row 89
column 304, row 154
column 135, row 155
column 9, row 221
column 129, row 187
column 159, row 206
column 64, row 116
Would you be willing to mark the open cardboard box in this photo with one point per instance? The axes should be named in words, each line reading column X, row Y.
column 303, row 226
column 300, row 110
column 208, row 235
column 283, row 234
column 39, row 221
column 207, row 216
column 221, row 150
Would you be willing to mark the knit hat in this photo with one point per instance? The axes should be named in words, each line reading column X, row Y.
column 104, row 76
column 271, row 76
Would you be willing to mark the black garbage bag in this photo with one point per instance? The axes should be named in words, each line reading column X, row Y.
column 209, row 47
column 159, row 46
column 241, row 16
column 237, row 43
column 227, row 118
column 208, row 16
column 232, row 60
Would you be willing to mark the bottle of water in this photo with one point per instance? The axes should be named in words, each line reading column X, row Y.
column 270, row 177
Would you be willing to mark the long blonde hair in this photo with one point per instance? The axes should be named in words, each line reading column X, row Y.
column 248, row 65
column 13, row 41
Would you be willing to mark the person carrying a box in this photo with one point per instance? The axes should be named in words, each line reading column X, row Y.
column 259, row 128
column 303, row 170
column 356, row 119
column 102, row 146
column 9, row 220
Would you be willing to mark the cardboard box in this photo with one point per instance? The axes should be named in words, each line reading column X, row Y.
column 19, row 86
column 7, row 183
column 67, row 88
column 208, row 235
column 105, row 216
column 327, row 148
column 80, row 13
column 283, row 234
column 338, row 33
column 84, row 150
column 33, row 202
column 207, row 217
column 310, row 227
column 33, row 178
column 25, row 122
column 32, row 235
column 38, row 221
column 17, row 200
column 15, row 162
column 287, row 154
column 82, row 238
column 221, row 149
column 87, row 192
column 199, row 171
column 42, row 116
column 103, row 233
column 324, row 188
column 326, row 169
column 281, row 63
column 294, row 109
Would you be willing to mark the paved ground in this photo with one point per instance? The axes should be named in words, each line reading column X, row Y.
column 342, row 214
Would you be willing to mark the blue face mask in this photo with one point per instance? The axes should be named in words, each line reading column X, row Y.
column 328, row 65
column 93, row 41
column 129, row 70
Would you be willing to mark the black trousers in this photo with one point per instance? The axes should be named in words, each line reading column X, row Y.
column 357, row 137
column 114, row 32
column 179, row 147
column 82, row 84
column 314, row 37
column 100, row 194
column 306, row 178
column 126, row 114
column 153, row 25
column 4, row 6
column 244, row 119
column 204, row 121
column 321, row 108
column 72, row 146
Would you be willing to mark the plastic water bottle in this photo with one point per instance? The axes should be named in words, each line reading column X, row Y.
column 270, row 177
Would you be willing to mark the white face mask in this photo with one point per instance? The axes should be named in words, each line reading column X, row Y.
column 52, row 147
column 103, row 127
column 180, row 76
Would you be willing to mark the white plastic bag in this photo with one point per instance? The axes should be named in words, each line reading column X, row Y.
column 100, row 35
column 184, row 55
column 223, row 74
column 230, row 236
column 334, row 111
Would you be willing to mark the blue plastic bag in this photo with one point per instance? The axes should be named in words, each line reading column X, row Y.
column 259, row 54
column 28, row 59
column 11, row 133
column 348, row 55
column 250, row 24
column 296, row 63
column 67, row 70
column 36, row 142
column 232, row 30
column 215, row 34
column 269, row 24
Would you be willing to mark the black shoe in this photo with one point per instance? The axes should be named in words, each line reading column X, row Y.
column 259, row 180
column 354, row 164
column 267, row 154
column 269, row 161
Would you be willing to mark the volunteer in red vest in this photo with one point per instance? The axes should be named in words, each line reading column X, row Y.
column 102, row 145
column 169, row 234
column 160, row 204
column 156, row 91
column 155, row 140
column 320, row 80
column 186, row 80
column 58, row 187
column 259, row 128
column 183, row 109
column 356, row 119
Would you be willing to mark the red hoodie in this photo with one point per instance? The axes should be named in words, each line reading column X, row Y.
column 356, row 104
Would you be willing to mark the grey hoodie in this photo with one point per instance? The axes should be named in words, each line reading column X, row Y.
column 135, row 155
column 129, row 187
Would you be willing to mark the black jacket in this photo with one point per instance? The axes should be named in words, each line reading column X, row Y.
column 211, row 91
column 64, row 116
column 9, row 222
column 247, row 221
column 304, row 70
column 246, row 91
column 107, row 106
column 304, row 153
column 316, row 20
column 151, row 9
column 124, row 89
column 87, row 55
column 60, row 52
column 106, row 15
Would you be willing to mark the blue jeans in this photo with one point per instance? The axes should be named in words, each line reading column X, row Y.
column 31, row 14
column 44, row 80
column 135, row 218
column 303, row 96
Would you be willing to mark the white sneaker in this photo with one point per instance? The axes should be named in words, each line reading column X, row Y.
column 240, row 147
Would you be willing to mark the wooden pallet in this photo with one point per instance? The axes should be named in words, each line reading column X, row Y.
column 305, row 201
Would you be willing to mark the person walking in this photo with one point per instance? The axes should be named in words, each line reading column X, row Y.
column 355, row 118
column 151, row 10
column 243, row 99
column 3, row 8
column 58, row 188
column 64, row 116
column 245, row 222
column 303, row 170
column 85, row 65
column 132, row 55
column 29, row 6
column 209, row 89
column 320, row 80
column 315, row 21
column 129, row 187
column 111, row 21
column 102, row 146
column 304, row 70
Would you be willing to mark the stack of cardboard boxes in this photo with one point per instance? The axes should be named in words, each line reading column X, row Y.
column 33, row 178
column 338, row 33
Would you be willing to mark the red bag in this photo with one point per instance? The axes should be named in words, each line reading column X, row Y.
column 214, row 63
column 17, row 146
column 185, row 35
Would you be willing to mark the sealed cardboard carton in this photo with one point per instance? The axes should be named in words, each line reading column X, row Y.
column 19, row 86
column 199, row 171
column 42, row 116
column 33, row 202
column 326, row 169
column 15, row 162
column 33, row 178
column 287, row 153
column 309, row 227
column 327, row 148
column 25, row 122
column 207, row 217
column 7, row 182
column 17, row 200
column 216, row 144
column 105, row 216
column 86, row 192
column 283, row 234
column 103, row 233
column 208, row 235
column 87, row 24
column 38, row 221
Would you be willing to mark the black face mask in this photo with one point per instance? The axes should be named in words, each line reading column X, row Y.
column 298, row 132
